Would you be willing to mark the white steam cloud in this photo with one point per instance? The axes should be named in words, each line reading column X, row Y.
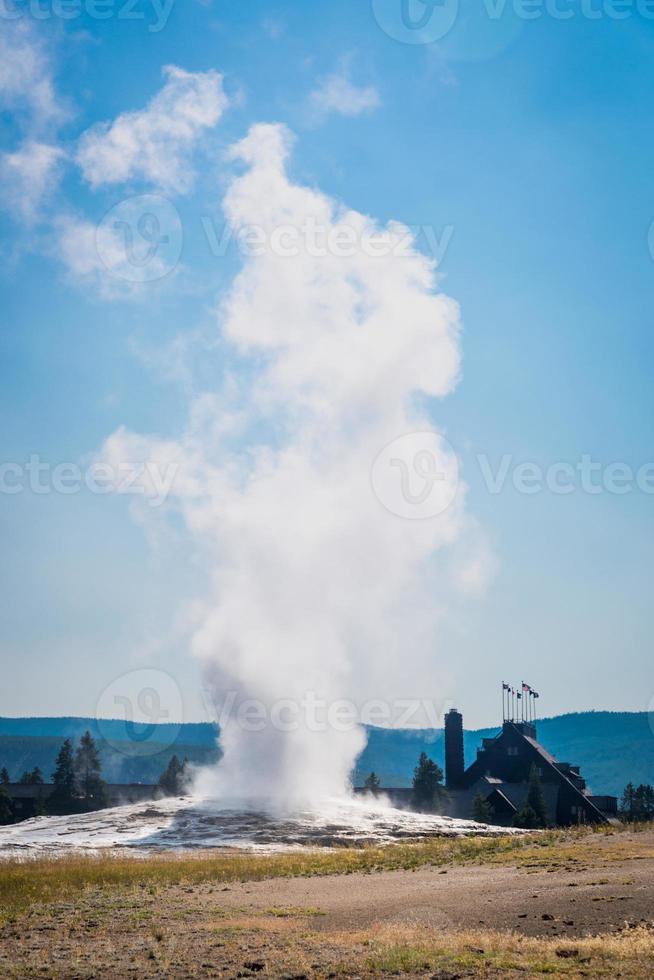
column 314, row 587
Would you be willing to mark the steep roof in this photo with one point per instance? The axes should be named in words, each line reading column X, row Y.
column 510, row 729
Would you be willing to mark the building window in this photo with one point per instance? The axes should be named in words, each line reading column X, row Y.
column 512, row 750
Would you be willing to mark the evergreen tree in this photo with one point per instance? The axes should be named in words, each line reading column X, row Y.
column 372, row 784
column 482, row 811
column 4, row 777
column 33, row 778
column 64, row 795
column 533, row 812
column 427, row 779
column 526, row 818
column 6, row 808
column 175, row 778
column 88, row 768
column 648, row 802
column 628, row 802
column 644, row 799
column 637, row 804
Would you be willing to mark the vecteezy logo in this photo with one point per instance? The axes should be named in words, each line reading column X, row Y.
column 140, row 239
column 131, row 710
column 416, row 21
column 416, row 476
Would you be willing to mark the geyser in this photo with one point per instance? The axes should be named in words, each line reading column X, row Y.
column 337, row 338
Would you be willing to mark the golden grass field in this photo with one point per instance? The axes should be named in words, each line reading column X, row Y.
column 232, row 914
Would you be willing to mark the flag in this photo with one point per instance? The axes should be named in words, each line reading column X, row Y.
column 525, row 687
column 518, row 695
column 506, row 687
column 536, row 694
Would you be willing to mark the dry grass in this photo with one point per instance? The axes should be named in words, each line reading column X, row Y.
column 165, row 916
column 25, row 883
column 492, row 953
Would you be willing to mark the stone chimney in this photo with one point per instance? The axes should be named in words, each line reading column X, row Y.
column 454, row 764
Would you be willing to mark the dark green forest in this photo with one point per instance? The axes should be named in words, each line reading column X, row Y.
column 612, row 748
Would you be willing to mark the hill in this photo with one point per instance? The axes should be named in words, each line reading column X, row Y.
column 29, row 742
column 611, row 748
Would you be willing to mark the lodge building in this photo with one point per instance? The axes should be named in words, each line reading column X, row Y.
column 501, row 774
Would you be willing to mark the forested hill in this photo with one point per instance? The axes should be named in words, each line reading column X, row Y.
column 611, row 748
column 136, row 754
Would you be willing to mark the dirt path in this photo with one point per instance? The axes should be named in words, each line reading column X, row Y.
column 538, row 903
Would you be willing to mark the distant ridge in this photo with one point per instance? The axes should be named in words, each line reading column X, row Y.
column 29, row 742
column 611, row 747
column 194, row 733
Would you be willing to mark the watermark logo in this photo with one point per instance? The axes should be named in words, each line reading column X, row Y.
column 153, row 12
column 416, row 476
column 319, row 241
column 140, row 701
column 416, row 21
column 311, row 712
column 140, row 239
column 149, row 480
column 473, row 30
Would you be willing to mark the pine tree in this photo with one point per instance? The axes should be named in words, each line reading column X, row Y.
column 33, row 778
column 533, row 812
column 628, row 802
column 427, row 779
column 535, row 797
column 63, row 798
column 4, row 777
column 648, row 802
column 526, row 818
column 6, row 809
column 372, row 784
column 174, row 780
column 639, row 803
column 482, row 811
column 88, row 768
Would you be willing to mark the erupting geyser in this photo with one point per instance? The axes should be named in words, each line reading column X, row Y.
column 335, row 338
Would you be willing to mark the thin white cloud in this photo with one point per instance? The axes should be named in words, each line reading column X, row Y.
column 95, row 257
column 28, row 176
column 338, row 94
column 26, row 77
column 155, row 144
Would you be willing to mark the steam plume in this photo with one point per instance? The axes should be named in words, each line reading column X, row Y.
column 313, row 586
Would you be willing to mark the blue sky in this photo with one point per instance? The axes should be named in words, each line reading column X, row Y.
column 526, row 145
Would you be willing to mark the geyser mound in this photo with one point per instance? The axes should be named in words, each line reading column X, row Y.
column 194, row 823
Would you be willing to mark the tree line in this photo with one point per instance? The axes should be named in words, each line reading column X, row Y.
column 637, row 803
column 78, row 786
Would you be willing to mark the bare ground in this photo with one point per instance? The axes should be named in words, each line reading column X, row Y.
column 536, row 914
